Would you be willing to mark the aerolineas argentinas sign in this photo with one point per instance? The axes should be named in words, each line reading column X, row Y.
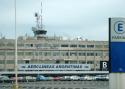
column 117, row 44
column 117, row 29
column 53, row 67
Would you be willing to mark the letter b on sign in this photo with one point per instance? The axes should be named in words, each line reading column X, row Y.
column 104, row 65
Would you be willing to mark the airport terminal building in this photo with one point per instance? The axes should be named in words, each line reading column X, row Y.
column 42, row 49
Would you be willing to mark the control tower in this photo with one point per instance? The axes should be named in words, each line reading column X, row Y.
column 38, row 30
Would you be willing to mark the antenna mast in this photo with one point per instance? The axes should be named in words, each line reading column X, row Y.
column 39, row 19
column 38, row 30
column 41, row 16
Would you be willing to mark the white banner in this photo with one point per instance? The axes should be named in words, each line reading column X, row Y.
column 53, row 67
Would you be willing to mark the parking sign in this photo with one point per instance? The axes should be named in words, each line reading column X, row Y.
column 117, row 44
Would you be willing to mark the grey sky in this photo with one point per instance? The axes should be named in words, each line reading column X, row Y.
column 69, row 18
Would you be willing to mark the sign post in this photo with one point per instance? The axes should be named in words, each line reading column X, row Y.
column 117, row 53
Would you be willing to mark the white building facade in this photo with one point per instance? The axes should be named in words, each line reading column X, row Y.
column 52, row 50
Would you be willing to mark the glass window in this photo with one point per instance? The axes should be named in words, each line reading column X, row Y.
column 10, row 61
column 70, row 88
column 20, row 45
column 1, row 61
column 20, row 61
column 36, row 53
column 67, row 62
column 43, row 88
column 73, row 45
column 57, row 61
column 64, row 45
column 82, row 46
column 2, row 44
column 98, row 54
column 73, row 62
column 90, row 54
column 82, row 62
column 10, row 53
column 106, row 46
column 27, row 61
column 82, row 54
column 47, row 53
column 28, row 53
column 107, row 54
column 56, row 53
column 90, row 62
column 10, row 69
column 90, row 46
column 40, row 53
column 63, row 88
column 20, row 53
column 10, row 44
column 38, row 45
column 98, row 46
column 55, row 45
column 73, row 53
column 2, row 53
column 28, row 45
column 56, row 88
column 49, row 88
column 64, row 53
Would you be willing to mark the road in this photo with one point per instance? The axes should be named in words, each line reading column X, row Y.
column 59, row 85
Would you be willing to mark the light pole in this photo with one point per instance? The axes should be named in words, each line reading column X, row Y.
column 16, row 62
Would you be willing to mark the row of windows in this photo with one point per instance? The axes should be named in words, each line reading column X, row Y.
column 81, row 46
column 85, row 46
column 12, row 45
column 57, row 53
column 66, row 45
column 57, row 62
column 10, row 61
column 54, row 45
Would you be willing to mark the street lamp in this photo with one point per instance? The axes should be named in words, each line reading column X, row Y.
column 16, row 62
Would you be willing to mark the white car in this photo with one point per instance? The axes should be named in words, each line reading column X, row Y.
column 89, row 78
column 74, row 77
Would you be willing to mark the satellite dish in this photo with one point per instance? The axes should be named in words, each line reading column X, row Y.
column 36, row 14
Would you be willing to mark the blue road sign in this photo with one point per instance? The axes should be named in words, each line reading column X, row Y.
column 117, row 44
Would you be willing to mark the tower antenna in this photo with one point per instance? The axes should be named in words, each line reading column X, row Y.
column 41, row 16
column 38, row 31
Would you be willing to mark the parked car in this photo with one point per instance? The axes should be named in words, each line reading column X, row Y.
column 50, row 78
column 74, row 77
column 82, row 78
column 40, row 78
column 89, row 78
column 66, row 78
column 102, row 77
column 57, row 78
column 4, row 78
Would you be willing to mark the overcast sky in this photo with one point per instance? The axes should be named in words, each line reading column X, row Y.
column 68, row 18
